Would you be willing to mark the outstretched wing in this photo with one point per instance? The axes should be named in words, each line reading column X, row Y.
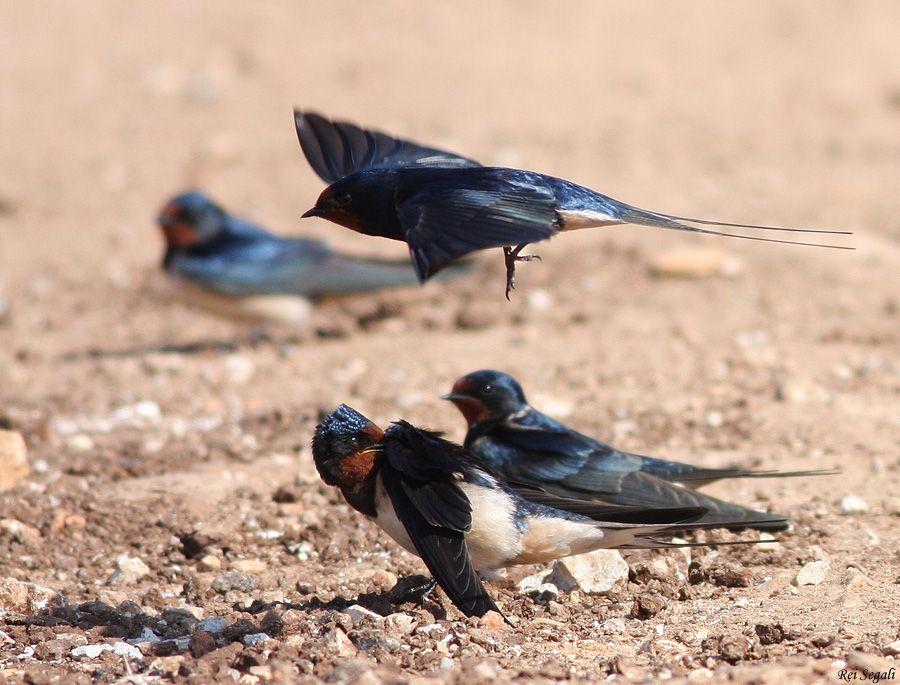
column 336, row 149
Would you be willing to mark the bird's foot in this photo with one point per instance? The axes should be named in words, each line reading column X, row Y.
column 415, row 589
column 511, row 256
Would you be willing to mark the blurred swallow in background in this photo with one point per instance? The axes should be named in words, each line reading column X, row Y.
column 522, row 445
column 446, row 206
column 439, row 501
column 238, row 269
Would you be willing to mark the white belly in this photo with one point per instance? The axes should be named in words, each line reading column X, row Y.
column 284, row 309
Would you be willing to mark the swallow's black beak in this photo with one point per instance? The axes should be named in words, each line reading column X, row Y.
column 455, row 397
column 315, row 211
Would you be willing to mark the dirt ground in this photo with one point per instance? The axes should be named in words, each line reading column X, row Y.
column 171, row 478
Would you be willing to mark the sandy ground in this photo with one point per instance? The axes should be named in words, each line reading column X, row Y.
column 197, row 462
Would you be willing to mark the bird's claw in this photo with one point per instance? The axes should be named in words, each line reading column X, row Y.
column 511, row 256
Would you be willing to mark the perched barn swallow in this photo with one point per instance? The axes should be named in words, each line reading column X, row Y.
column 439, row 501
column 522, row 445
column 240, row 270
column 445, row 206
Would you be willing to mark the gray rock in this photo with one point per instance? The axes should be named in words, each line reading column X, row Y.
column 232, row 580
column 255, row 639
column 213, row 624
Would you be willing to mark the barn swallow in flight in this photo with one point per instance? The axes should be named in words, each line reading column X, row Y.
column 522, row 445
column 238, row 269
column 439, row 501
column 446, row 206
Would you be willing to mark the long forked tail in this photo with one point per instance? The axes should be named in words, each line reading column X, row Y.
column 643, row 217
column 652, row 539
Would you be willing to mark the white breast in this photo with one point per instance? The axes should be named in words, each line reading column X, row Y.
column 284, row 309
column 494, row 540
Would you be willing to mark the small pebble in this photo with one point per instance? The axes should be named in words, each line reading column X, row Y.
column 14, row 469
column 213, row 624
column 209, row 562
column 359, row 613
column 249, row 566
column 20, row 532
column 492, row 620
column 403, row 624
column 384, row 580
column 687, row 263
column 892, row 648
column 613, row 625
column 128, row 571
column 337, row 643
column 255, row 639
column 80, row 442
column 812, row 573
column 767, row 543
column 601, row 572
column 853, row 505
column 539, row 300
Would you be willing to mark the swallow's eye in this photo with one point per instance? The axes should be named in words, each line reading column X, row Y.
column 487, row 389
column 354, row 441
column 343, row 199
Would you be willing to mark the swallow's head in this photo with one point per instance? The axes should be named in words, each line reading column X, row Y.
column 346, row 447
column 487, row 396
column 363, row 202
column 191, row 219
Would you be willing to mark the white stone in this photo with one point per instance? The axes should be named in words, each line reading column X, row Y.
column 255, row 639
column 126, row 651
column 147, row 635
column 239, row 369
column 128, row 570
column 90, row 651
column 852, row 504
column 80, row 442
column 812, row 573
column 767, row 543
column 601, row 572
column 532, row 586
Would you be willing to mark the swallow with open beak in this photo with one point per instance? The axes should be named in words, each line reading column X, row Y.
column 238, row 269
column 445, row 206
column 522, row 445
column 439, row 501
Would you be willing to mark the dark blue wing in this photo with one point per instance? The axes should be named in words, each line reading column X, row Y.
column 451, row 215
column 435, row 512
column 336, row 149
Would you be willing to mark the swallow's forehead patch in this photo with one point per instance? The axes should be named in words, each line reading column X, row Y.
column 465, row 386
